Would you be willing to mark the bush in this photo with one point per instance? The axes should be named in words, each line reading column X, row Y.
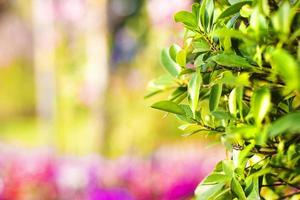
column 237, row 77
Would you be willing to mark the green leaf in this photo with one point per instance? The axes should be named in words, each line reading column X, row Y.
column 199, row 61
column 252, row 189
column 282, row 19
column 186, row 18
column 188, row 116
column 237, row 189
column 260, row 104
column 231, row 60
column 233, row 9
column 194, row 90
column 232, row 102
column 204, row 192
column 177, row 93
column 172, row 67
column 200, row 46
column 186, row 71
column 288, row 123
column 215, row 178
column 206, row 14
column 214, row 98
column 168, row 106
column 173, row 51
column 286, row 67
column 181, row 58
column 224, row 195
column 228, row 167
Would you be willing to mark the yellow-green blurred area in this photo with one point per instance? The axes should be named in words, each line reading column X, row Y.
column 73, row 74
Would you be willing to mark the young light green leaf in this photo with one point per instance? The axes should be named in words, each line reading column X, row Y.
column 288, row 123
column 232, row 102
column 168, row 106
column 214, row 98
column 231, row 60
column 205, row 192
column 186, row 18
column 237, row 189
column 181, row 57
column 260, row 104
column 215, row 178
column 174, row 49
column 233, row 9
column 172, row 67
column 286, row 67
column 194, row 90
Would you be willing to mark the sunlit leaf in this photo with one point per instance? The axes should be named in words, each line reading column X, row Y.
column 214, row 98
column 168, row 106
column 237, row 189
column 231, row 60
column 260, row 104
column 288, row 123
column 233, row 9
column 194, row 89
column 172, row 67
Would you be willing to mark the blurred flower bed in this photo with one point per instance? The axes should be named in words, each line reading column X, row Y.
column 166, row 174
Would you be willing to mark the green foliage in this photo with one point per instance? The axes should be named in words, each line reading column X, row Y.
column 237, row 77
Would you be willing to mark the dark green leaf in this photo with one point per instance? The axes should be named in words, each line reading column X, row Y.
column 214, row 98
column 168, row 106
column 237, row 189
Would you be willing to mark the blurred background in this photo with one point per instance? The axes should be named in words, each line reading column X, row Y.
column 74, row 123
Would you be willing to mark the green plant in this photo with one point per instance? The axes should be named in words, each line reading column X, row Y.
column 237, row 76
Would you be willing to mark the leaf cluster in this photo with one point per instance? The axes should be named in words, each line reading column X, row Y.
column 237, row 76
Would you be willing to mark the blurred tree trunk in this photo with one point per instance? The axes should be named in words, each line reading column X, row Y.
column 44, row 65
column 97, row 67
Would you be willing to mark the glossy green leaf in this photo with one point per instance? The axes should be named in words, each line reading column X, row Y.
column 233, row 9
column 231, row 60
column 172, row 67
column 200, row 46
column 215, row 178
column 214, row 98
column 288, row 123
column 205, row 192
column 194, row 90
column 186, row 18
column 260, row 104
column 188, row 116
column 237, row 189
column 168, row 106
